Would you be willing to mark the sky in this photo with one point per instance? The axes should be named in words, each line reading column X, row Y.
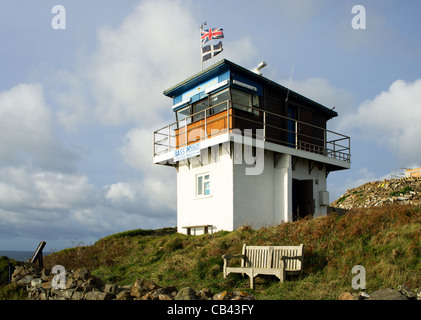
column 81, row 93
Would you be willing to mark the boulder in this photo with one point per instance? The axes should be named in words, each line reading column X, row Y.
column 186, row 293
column 407, row 292
column 124, row 295
column 224, row 295
column 142, row 286
column 111, row 288
column 347, row 296
column 81, row 274
column 387, row 294
column 98, row 295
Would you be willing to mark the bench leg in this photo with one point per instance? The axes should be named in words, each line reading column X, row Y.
column 251, row 275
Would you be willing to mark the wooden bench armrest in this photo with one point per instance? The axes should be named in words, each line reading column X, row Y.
column 229, row 256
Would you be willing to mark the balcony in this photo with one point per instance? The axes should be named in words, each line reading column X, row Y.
column 230, row 117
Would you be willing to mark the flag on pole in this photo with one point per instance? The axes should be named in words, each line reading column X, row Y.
column 211, row 34
column 210, row 51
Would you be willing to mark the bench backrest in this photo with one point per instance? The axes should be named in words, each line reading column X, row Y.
column 269, row 256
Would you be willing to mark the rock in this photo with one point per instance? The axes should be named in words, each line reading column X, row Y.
column 242, row 295
column 204, row 294
column 98, row 295
column 387, row 294
column 347, row 296
column 71, row 283
column 25, row 280
column 36, row 282
column 142, row 286
column 363, row 295
column 94, row 282
column 224, row 295
column 78, row 295
column 124, row 295
column 164, row 297
column 406, row 291
column 186, row 293
column 82, row 274
column 111, row 288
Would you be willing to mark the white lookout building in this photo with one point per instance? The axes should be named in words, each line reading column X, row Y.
column 247, row 151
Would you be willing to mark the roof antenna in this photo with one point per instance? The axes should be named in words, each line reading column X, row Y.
column 289, row 85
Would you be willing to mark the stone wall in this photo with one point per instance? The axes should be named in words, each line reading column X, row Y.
column 82, row 285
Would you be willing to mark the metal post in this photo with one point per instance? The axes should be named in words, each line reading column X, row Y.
column 185, row 130
column 169, row 142
column 228, row 116
column 264, row 125
column 206, row 124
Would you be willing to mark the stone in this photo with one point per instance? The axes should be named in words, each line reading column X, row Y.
column 164, row 297
column 347, row 296
column 98, row 295
column 78, row 295
column 142, row 286
column 36, row 282
column 363, row 295
column 242, row 295
column 407, row 292
column 111, row 288
column 82, row 274
column 204, row 294
column 224, row 295
column 71, row 283
column 387, row 294
column 186, row 293
column 95, row 282
column 124, row 295
column 25, row 280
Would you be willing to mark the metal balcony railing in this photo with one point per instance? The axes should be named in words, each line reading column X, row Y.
column 229, row 116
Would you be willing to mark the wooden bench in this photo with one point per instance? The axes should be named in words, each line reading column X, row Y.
column 205, row 228
column 267, row 260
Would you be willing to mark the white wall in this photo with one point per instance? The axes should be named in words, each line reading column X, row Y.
column 253, row 195
column 216, row 209
column 238, row 199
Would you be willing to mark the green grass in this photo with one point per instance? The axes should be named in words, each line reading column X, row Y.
column 404, row 190
column 385, row 240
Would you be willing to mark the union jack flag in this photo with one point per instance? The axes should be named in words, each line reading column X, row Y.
column 211, row 34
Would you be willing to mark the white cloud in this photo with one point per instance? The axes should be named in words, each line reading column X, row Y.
column 28, row 132
column 43, row 193
column 391, row 119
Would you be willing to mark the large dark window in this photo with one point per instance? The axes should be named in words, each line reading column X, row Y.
column 245, row 101
column 198, row 109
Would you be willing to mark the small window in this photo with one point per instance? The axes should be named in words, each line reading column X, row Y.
column 203, row 185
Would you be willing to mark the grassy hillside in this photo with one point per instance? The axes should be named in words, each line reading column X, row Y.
column 385, row 240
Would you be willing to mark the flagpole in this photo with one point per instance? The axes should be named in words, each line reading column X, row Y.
column 201, row 58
